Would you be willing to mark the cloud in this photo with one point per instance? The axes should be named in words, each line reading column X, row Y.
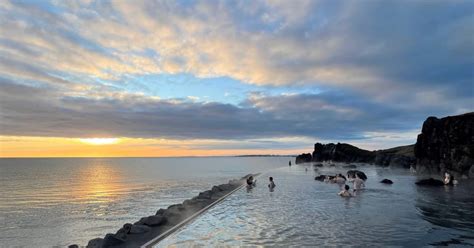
column 382, row 66
column 395, row 44
column 35, row 111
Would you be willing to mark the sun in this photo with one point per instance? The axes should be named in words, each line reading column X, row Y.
column 100, row 141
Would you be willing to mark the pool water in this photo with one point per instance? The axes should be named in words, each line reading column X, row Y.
column 304, row 212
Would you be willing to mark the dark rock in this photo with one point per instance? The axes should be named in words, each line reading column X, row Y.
column 196, row 203
column 446, row 144
column 353, row 173
column 226, row 187
column 318, row 165
column 178, row 207
column 160, row 211
column 341, row 152
column 73, row 246
column 303, row 158
column 95, row 243
column 126, row 227
column 154, row 220
column 430, row 182
column 320, row 178
column 216, row 189
column 112, row 240
column 402, row 156
column 387, row 181
column 205, row 195
column 136, row 229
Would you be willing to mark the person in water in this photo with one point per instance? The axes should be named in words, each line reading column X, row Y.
column 340, row 180
column 449, row 179
column 345, row 192
column 271, row 185
column 250, row 181
column 289, row 163
column 358, row 183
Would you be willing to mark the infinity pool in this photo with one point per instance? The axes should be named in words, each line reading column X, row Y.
column 304, row 212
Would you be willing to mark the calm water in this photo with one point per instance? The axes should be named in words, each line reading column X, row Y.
column 57, row 202
column 305, row 212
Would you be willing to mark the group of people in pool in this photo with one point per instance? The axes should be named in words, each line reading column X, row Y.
column 341, row 181
column 251, row 182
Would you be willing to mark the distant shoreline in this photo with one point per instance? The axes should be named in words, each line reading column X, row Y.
column 227, row 156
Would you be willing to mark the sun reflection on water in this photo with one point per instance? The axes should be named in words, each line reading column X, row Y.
column 99, row 183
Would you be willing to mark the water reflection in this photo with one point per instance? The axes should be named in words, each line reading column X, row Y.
column 98, row 182
column 448, row 206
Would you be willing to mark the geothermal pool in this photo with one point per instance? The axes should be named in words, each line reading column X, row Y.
column 304, row 212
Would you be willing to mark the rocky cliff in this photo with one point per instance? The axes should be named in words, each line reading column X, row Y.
column 341, row 152
column 402, row 156
column 446, row 144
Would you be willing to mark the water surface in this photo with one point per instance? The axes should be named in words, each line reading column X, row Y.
column 304, row 212
column 58, row 202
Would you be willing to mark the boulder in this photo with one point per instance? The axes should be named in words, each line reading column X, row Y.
column 318, row 165
column 73, row 246
column 216, row 189
column 112, row 240
column 205, row 195
column 154, row 220
column 95, row 243
column 353, row 173
column 160, row 211
column 226, row 187
column 320, row 178
column 136, row 229
column 387, row 181
column 430, row 182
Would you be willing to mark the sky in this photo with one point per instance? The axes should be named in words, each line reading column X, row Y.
column 82, row 78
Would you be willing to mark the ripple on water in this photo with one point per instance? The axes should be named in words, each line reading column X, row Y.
column 305, row 212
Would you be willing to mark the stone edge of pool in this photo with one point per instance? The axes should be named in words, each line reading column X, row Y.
column 148, row 231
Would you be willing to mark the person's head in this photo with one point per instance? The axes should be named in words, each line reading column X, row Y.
column 446, row 174
column 271, row 179
column 346, row 187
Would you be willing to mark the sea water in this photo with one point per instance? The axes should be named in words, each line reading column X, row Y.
column 58, row 202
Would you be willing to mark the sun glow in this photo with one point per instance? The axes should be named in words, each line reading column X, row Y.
column 100, row 141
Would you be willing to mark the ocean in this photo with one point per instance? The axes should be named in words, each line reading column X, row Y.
column 48, row 202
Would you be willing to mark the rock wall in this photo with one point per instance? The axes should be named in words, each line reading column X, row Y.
column 446, row 144
column 303, row 158
column 341, row 152
column 402, row 156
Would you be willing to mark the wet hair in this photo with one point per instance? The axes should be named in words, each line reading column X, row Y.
column 271, row 178
column 340, row 175
column 346, row 187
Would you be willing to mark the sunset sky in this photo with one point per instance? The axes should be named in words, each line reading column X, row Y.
column 184, row 78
